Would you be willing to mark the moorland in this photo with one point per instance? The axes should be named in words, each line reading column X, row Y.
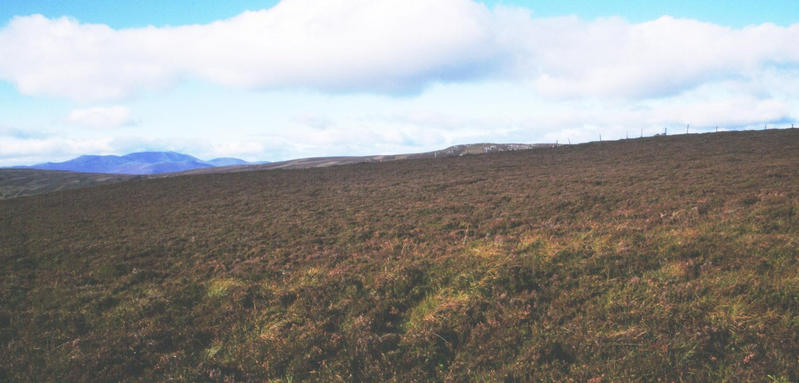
column 667, row 259
column 92, row 170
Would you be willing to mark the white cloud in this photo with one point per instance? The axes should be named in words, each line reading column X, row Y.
column 26, row 151
column 101, row 117
column 611, row 57
column 488, row 75
column 336, row 45
column 389, row 46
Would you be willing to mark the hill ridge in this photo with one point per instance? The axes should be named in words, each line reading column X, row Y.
column 138, row 163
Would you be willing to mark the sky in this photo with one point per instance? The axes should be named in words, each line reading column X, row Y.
column 275, row 80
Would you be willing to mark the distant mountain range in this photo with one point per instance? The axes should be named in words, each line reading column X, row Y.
column 137, row 163
column 86, row 171
column 146, row 163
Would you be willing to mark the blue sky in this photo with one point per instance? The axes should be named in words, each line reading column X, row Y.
column 349, row 77
column 138, row 13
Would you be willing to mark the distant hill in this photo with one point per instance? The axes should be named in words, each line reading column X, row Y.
column 318, row 162
column 86, row 171
column 22, row 182
column 137, row 163
column 227, row 162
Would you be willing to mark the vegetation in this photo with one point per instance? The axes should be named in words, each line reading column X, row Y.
column 23, row 182
column 661, row 259
column 19, row 182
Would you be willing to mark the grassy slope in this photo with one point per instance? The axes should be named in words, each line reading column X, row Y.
column 22, row 182
column 672, row 257
column 318, row 162
column 25, row 182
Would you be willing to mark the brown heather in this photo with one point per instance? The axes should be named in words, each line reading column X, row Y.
column 667, row 259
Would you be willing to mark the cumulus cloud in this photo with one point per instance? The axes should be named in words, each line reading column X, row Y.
column 488, row 74
column 101, row 117
column 611, row 57
column 389, row 46
column 26, row 151
column 336, row 45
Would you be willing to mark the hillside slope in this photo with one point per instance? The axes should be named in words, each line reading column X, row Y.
column 669, row 258
column 320, row 162
column 22, row 182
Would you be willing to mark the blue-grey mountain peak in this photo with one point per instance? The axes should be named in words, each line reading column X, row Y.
column 138, row 163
